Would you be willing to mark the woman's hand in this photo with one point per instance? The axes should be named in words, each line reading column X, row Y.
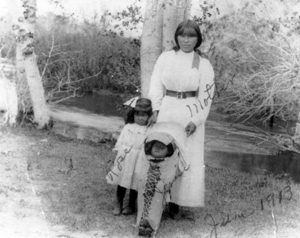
column 190, row 128
column 152, row 120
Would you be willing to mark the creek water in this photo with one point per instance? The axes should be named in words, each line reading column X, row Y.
column 106, row 104
column 284, row 163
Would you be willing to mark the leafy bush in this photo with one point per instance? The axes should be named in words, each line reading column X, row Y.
column 85, row 57
column 256, row 64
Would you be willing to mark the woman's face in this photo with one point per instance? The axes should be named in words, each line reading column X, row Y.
column 141, row 118
column 188, row 40
column 159, row 150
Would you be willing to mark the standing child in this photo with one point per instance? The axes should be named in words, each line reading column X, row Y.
column 130, row 149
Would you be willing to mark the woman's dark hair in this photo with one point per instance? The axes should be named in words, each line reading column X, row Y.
column 182, row 27
column 130, row 115
column 148, row 147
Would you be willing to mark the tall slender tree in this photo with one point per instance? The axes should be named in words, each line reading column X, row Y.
column 27, row 60
column 160, row 21
column 297, row 131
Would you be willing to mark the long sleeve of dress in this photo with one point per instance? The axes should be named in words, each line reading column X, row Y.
column 206, row 91
column 122, row 139
column 156, row 90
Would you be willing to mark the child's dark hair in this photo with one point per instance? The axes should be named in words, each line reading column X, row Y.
column 130, row 116
column 148, row 147
column 142, row 105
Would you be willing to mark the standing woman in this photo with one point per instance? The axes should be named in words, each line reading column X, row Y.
column 181, row 90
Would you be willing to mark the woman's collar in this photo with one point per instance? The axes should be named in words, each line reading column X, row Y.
column 185, row 53
column 196, row 57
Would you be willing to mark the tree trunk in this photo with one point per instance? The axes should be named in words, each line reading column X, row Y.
column 151, row 41
column 24, row 98
column 174, row 12
column 161, row 19
column 40, row 109
column 8, row 93
column 296, row 136
column 27, row 63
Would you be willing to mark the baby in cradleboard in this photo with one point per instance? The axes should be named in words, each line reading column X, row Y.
column 164, row 152
column 129, row 149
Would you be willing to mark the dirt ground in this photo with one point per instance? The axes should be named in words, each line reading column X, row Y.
column 51, row 186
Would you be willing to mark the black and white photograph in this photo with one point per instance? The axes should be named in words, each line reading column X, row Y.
column 149, row 118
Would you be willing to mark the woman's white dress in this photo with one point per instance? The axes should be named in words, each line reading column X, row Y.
column 174, row 71
column 128, row 162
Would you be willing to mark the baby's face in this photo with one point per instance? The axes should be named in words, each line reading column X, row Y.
column 159, row 150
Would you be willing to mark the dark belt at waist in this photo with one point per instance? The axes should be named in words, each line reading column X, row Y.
column 181, row 95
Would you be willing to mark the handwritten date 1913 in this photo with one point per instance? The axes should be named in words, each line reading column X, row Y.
column 272, row 199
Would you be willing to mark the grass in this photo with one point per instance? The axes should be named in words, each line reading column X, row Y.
column 77, row 202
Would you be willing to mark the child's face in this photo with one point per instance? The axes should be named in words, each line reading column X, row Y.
column 141, row 118
column 159, row 150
